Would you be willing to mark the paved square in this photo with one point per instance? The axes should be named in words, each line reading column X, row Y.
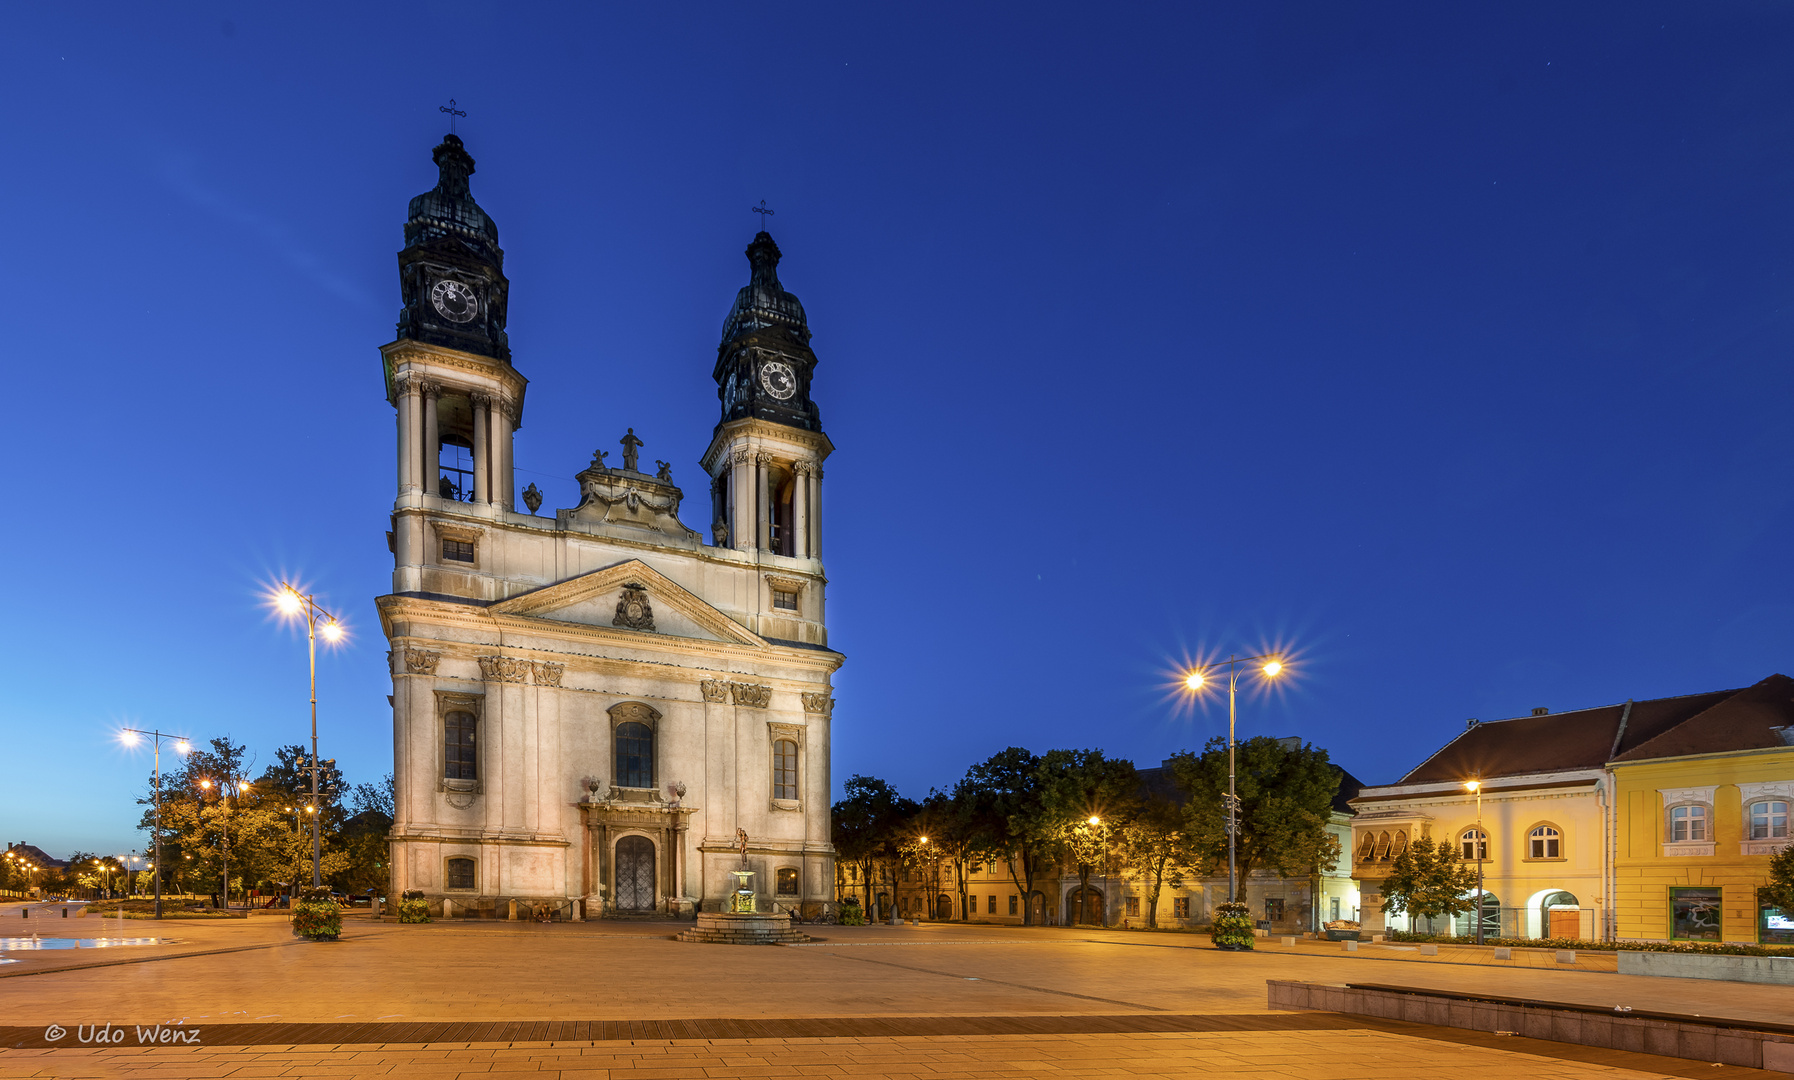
column 613, row 1000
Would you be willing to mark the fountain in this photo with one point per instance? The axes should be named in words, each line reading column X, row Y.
column 740, row 923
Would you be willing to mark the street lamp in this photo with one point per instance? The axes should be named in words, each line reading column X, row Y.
column 1195, row 680
column 130, row 736
column 292, row 602
column 1481, row 847
column 224, row 793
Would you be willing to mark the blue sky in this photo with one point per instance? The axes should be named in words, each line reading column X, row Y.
column 1445, row 347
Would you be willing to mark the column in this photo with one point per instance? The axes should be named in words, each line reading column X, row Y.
column 763, row 504
column 815, row 511
column 506, row 415
column 495, row 420
column 800, row 509
column 741, row 536
column 481, row 491
column 432, row 441
column 407, row 390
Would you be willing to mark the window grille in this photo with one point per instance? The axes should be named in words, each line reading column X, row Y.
column 460, row 873
column 635, row 756
column 459, row 758
column 787, row 882
column 784, row 773
column 457, row 551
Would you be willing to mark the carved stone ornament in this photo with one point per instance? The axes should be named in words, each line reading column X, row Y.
column 742, row 457
column 750, row 695
column 432, row 390
column 480, row 398
column 532, row 497
column 503, row 668
column 421, row 661
column 549, row 673
column 460, row 800
column 720, row 529
column 715, row 691
column 633, row 610
column 819, row 703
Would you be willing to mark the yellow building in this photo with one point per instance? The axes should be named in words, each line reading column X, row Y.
column 1701, row 808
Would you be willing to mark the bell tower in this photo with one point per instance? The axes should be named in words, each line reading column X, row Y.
column 449, row 376
column 765, row 458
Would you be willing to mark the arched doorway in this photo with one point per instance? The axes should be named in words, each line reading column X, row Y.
column 1084, row 906
column 1465, row 926
column 1037, row 907
column 635, row 874
column 943, row 907
column 1560, row 916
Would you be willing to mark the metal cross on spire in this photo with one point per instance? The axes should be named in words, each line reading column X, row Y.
column 763, row 212
column 452, row 113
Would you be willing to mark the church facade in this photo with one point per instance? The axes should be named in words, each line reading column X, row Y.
column 595, row 708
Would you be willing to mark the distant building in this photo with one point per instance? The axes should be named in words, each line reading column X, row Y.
column 36, row 856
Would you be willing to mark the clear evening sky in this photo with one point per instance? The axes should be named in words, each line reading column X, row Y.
column 1445, row 346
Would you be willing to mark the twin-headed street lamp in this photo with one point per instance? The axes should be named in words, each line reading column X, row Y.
column 224, row 793
column 1194, row 681
column 181, row 746
column 293, row 602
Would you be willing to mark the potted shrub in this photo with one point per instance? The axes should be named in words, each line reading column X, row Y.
column 1232, row 928
column 413, row 908
column 317, row 916
column 851, row 915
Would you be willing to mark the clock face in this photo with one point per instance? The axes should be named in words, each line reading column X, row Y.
column 778, row 379
column 455, row 301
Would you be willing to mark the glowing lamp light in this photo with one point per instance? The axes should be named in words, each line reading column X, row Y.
column 129, row 738
column 1194, row 680
column 333, row 631
column 1273, row 668
column 183, row 747
column 1094, row 820
column 288, row 600
column 1472, row 786
column 207, row 784
column 242, row 785
column 925, row 839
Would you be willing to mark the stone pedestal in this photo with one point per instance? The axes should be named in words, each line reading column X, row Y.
column 744, row 928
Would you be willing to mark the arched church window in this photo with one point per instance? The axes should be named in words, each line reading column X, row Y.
column 635, row 755
column 784, row 769
column 459, row 757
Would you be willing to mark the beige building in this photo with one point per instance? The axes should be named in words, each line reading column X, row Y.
column 595, row 708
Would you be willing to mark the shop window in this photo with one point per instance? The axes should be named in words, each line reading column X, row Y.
column 460, row 874
column 1694, row 914
column 1768, row 820
column 1180, row 907
column 787, row 881
column 1775, row 926
column 1686, row 823
column 1544, row 842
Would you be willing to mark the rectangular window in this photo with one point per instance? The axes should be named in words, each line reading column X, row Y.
column 1015, row 905
column 1768, row 820
column 787, row 882
column 460, row 873
column 457, row 551
column 1694, row 914
column 1687, row 823
column 1180, row 907
column 784, row 774
column 1776, row 926
column 1133, row 905
column 990, row 905
column 784, row 600
column 458, row 758
column 1335, row 908
column 1274, row 909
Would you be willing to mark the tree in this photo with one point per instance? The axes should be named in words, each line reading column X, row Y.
column 1429, row 880
column 1006, row 790
column 1286, row 799
column 1077, row 786
column 1780, row 890
column 290, row 777
column 956, row 830
column 1152, row 845
column 868, row 825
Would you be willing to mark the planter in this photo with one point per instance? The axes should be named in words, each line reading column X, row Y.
column 1232, row 929
column 316, row 916
column 1343, row 935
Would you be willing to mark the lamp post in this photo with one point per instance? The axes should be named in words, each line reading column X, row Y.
column 224, row 794
column 181, row 746
column 291, row 601
column 1481, row 847
column 1272, row 667
column 1102, row 847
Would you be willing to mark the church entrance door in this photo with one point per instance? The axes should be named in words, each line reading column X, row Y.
column 635, row 874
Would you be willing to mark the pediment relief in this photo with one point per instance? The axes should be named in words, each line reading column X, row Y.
column 630, row 596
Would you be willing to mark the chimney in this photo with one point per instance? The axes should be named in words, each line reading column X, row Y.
column 1541, row 711
column 1470, row 724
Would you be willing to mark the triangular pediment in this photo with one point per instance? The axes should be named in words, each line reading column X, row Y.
column 592, row 600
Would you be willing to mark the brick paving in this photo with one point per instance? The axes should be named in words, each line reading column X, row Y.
column 623, row 1000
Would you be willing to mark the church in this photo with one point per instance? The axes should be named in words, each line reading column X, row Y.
column 596, row 709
